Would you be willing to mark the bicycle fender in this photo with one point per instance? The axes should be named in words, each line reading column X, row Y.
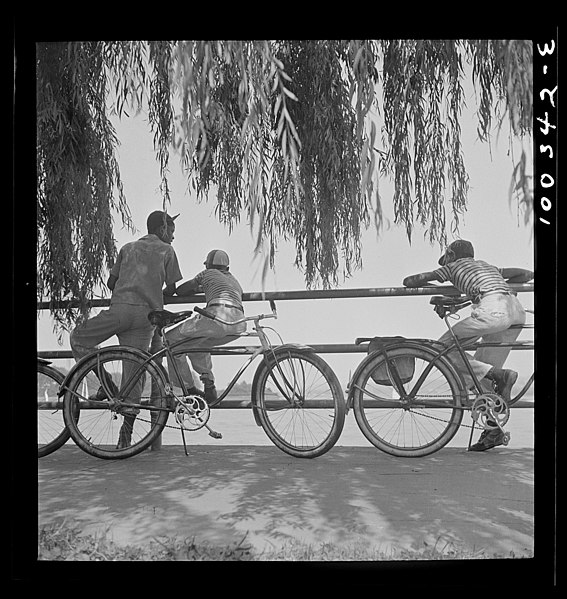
column 288, row 346
column 265, row 354
column 140, row 352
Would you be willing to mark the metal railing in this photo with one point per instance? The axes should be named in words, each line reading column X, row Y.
column 330, row 348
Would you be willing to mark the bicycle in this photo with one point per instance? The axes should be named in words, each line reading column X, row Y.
column 51, row 430
column 409, row 399
column 303, row 414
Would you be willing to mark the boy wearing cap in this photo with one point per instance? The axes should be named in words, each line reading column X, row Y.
column 137, row 282
column 495, row 309
column 223, row 295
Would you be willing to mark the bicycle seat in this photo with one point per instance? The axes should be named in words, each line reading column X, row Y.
column 164, row 318
column 448, row 300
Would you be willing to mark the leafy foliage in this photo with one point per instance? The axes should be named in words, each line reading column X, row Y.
column 78, row 176
column 285, row 132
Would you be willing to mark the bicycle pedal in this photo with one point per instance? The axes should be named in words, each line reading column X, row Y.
column 215, row 435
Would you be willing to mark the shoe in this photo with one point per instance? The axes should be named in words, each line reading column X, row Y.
column 210, row 393
column 504, row 380
column 487, row 440
column 101, row 395
column 195, row 391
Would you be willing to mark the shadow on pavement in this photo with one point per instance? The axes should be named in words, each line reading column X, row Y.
column 352, row 496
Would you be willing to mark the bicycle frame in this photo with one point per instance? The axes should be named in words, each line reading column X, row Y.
column 168, row 350
column 265, row 345
column 441, row 353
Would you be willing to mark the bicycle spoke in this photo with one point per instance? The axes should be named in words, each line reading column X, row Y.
column 417, row 423
column 299, row 403
column 122, row 424
column 51, row 430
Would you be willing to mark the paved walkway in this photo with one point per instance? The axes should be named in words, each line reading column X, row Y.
column 351, row 497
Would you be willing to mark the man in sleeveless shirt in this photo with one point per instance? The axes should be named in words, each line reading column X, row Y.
column 223, row 295
column 495, row 309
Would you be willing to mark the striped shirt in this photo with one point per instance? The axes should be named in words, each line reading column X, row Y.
column 472, row 277
column 220, row 285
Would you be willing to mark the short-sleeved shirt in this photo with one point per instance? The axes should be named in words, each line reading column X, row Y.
column 473, row 277
column 220, row 285
column 142, row 268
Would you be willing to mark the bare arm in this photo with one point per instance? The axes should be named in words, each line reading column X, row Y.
column 420, row 279
column 517, row 275
column 111, row 283
column 188, row 288
column 170, row 290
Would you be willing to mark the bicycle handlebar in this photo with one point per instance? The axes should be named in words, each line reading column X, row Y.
column 240, row 320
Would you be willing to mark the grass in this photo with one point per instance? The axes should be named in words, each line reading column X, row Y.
column 64, row 542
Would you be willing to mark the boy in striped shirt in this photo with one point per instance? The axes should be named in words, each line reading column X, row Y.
column 223, row 295
column 495, row 309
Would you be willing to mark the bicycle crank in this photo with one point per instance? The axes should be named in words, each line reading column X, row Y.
column 192, row 413
column 490, row 411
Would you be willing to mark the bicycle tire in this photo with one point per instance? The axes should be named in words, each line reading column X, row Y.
column 103, row 423
column 309, row 421
column 52, row 432
column 418, row 428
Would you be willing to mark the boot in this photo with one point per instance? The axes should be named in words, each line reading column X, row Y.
column 210, row 392
column 101, row 395
column 504, row 380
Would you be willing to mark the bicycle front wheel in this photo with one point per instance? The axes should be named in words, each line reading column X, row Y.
column 51, row 430
column 299, row 402
column 133, row 413
column 420, row 423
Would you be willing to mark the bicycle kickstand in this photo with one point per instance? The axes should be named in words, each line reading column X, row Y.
column 184, row 443
column 471, row 436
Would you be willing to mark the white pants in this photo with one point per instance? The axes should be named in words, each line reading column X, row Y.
column 490, row 320
column 200, row 331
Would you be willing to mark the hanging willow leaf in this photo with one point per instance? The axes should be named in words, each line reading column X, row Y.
column 284, row 131
column 79, row 181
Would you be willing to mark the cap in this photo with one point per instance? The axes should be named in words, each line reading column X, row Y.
column 217, row 258
column 460, row 248
column 156, row 219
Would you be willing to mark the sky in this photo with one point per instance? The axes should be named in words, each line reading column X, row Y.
column 491, row 223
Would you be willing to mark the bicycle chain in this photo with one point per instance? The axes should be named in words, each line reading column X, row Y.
column 164, row 426
column 438, row 419
column 410, row 410
column 434, row 417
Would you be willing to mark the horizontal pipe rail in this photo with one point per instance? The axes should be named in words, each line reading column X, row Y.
column 334, row 348
column 257, row 296
column 236, row 404
column 325, row 348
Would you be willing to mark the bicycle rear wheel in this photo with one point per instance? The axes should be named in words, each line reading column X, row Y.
column 298, row 402
column 51, row 430
column 131, row 417
column 411, row 427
